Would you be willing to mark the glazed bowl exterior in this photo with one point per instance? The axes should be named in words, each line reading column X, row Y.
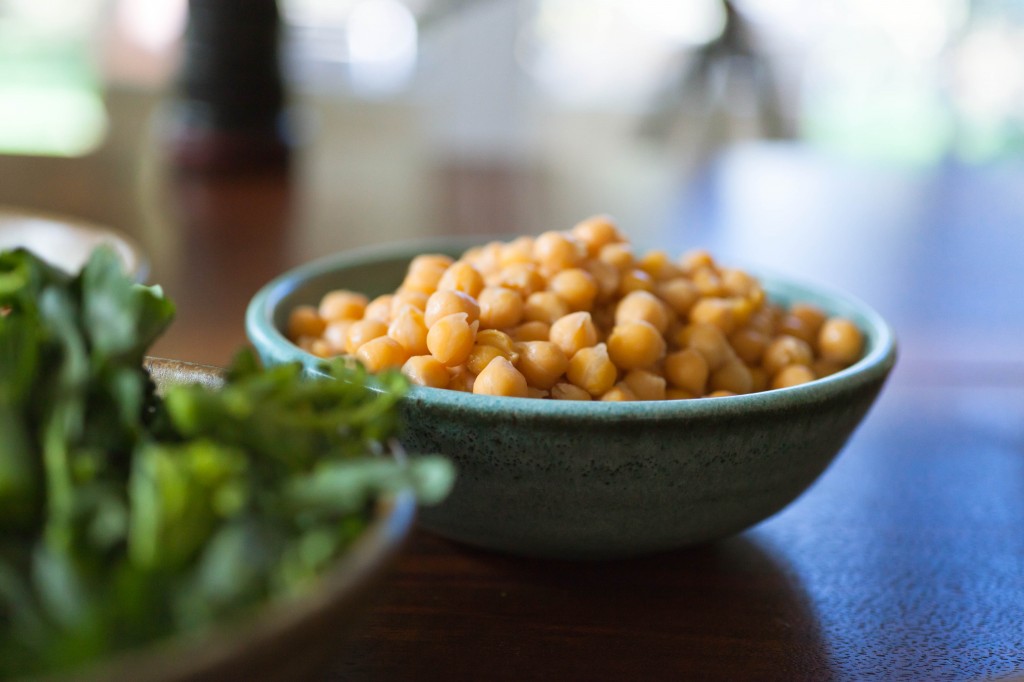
column 599, row 480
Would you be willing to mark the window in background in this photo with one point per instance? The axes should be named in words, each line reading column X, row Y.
column 913, row 81
column 987, row 87
column 142, row 46
column 366, row 47
column 50, row 102
column 612, row 53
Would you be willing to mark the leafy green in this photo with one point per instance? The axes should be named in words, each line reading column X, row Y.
column 126, row 516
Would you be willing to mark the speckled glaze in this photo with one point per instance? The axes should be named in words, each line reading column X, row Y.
column 592, row 480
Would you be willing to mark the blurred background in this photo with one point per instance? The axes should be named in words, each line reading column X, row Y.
column 876, row 146
column 841, row 140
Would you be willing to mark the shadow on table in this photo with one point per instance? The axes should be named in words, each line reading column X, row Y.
column 726, row 611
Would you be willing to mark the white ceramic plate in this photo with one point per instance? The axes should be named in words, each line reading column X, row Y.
column 66, row 242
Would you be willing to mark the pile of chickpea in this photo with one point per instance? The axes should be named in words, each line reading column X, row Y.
column 577, row 315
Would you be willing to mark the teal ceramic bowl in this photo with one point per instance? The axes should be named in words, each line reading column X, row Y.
column 603, row 480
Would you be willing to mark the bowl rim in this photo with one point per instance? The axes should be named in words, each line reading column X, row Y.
column 194, row 655
column 875, row 365
column 133, row 256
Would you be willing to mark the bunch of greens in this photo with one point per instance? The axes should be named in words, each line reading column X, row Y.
column 126, row 516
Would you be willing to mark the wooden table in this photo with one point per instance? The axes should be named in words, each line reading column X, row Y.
column 905, row 561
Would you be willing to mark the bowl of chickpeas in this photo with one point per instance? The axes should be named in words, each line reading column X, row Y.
column 598, row 400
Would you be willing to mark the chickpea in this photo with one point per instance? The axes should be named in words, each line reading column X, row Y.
column 687, row 370
column 742, row 309
column 645, row 385
column 379, row 308
column 676, row 333
column 461, row 276
column 635, row 280
column 635, row 345
column 361, row 331
column 461, row 379
column 402, row 298
column 556, row 251
column 679, row 293
column 498, row 339
column 708, row 282
column 475, row 254
column 792, row 375
column 756, row 296
column 320, row 348
column 342, row 305
column 531, row 331
column 486, row 259
column 518, row 251
column 813, row 316
column 709, row 341
column 426, row 370
column 532, row 392
column 840, row 340
column 500, row 308
column 786, row 350
column 792, row 325
column 542, row 363
column 696, row 259
column 451, row 339
column 305, row 321
column 335, row 335
column 619, row 256
column 765, row 319
column 715, row 311
column 500, row 378
column 596, row 232
column 566, row 391
column 573, row 332
column 521, row 277
column 382, row 353
column 643, row 306
column 749, row 344
column 431, row 260
column 737, row 282
column 607, row 277
column 658, row 265
column 732, row 376
column 410, row 329
column 720, row 394
column 481, row 356
column 544, row 306
column 592, row 370
column 446, row 302
column 618, row 394
column 425, row 272
column 576, row 287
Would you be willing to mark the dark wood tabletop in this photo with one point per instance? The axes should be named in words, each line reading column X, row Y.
column 905, row 560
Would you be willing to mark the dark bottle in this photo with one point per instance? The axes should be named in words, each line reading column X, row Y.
column 229, row 111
